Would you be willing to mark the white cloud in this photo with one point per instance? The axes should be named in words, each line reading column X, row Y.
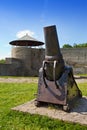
column 24, row 32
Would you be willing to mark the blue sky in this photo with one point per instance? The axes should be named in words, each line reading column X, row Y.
column 16, row 16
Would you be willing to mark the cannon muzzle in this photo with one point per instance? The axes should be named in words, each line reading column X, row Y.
column 52, row 54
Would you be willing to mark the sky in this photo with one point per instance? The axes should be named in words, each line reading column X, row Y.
column 18, row 17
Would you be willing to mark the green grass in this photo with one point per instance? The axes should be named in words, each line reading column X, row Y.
column 6, row 77
column 83, row 75
column 83, row 88
column 13, row 94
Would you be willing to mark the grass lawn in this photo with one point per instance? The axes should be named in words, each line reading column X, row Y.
column 83, row 75
column 13, row 94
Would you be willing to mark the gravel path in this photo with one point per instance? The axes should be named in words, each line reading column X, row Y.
column 19, row 80
column 33, row 80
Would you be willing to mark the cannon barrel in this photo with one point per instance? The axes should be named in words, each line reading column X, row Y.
column 52, row 54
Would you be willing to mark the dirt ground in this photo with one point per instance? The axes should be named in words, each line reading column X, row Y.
column 19, row 80
column 32, row 80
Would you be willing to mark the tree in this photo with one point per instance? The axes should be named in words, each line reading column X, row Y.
column 80, row 45
column 75, row 45
column 67, row 46
column 2, row 61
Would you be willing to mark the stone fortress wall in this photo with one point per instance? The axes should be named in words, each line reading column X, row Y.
column 77, row 58
column 26, row 61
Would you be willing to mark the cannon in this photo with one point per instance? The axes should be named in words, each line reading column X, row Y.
column 56, row 83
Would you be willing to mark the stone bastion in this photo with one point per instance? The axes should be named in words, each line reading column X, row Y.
column 27, row 61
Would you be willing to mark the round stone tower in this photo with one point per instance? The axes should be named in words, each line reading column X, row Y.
column 31, row 58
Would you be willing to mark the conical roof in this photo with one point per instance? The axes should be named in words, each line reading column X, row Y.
column 27, row 37
column 26, row 41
